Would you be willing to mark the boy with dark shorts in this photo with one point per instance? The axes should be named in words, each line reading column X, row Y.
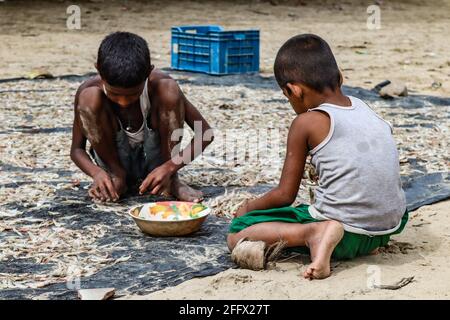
column 133, row 115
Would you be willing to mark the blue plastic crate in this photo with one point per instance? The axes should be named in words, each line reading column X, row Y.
column 212, row 50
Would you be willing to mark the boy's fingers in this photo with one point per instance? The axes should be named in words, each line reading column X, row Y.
column 156, row 190
column 155, row 184
column 111, row 190
column 145, row 184
column 94, row 194
column 91, row 193
column 104, row 194
column 152, row 184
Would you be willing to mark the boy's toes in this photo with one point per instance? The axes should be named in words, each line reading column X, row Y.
column 198, row 199
column 308, row 274
column 195, row 195
column 314, row 271
column 186, row 193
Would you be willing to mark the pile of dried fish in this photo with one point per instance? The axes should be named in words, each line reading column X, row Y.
column 72, row 253
column 226, row 205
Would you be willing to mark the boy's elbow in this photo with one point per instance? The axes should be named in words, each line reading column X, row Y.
column 287, row 201
column 286, row 198
column 73, row 154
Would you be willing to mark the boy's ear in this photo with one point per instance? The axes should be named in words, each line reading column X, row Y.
column 286, row 91
column 96, row 67
column 294, row 90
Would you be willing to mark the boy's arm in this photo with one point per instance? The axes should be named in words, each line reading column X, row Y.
column 286, row 191
column 79, row 156
column 176, row 102
column 203, row 135
column 78, row 149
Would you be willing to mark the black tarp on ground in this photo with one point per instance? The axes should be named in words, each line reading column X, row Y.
column 155, row 263
column 426, row 189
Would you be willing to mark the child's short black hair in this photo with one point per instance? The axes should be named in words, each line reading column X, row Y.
column 307, row 59
column 123, row 59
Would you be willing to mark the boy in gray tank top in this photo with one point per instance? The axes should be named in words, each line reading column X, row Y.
column 359, row 202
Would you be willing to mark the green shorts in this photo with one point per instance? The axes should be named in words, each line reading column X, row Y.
column 351, row 245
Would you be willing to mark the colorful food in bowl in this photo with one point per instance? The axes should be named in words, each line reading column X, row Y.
column 169, row 218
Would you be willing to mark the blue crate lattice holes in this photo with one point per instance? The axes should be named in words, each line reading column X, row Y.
column 212, row 50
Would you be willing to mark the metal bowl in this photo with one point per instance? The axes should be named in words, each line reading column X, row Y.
column 161, row 228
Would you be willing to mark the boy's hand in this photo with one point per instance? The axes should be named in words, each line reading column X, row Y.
column 243, row 209
column 119, row 184
column 158, row 180
column 102, row 188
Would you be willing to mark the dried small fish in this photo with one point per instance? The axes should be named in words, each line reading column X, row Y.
column 227, row 204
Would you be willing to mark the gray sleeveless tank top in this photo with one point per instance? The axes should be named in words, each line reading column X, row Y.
column 359, row 173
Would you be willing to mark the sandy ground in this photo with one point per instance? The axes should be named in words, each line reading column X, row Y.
column 411, row 47
column 421, row 251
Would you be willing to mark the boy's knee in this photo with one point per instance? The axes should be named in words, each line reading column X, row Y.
column 232, row 239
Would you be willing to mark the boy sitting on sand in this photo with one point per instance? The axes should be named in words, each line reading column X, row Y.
column 129, row 113
column 359, row 201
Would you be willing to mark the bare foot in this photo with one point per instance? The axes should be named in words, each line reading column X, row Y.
column 183, row 192
column 321, row 245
